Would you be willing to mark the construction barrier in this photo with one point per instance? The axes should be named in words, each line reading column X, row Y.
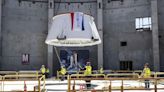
column 8, row 73
column 41, row 86
column 111, row 73
column 133, row 75
column 77, row 73
column 29, row 73
column 106, row 72
column 115, row 83
column 22, row 79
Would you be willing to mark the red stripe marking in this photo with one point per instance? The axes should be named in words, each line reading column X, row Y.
column 72, row 19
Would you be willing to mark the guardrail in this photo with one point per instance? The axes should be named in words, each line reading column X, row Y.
column 73, row 72
column 43, row 84
column 8, row 76
column 1, row 84
column 106, row 72
column 36, row 73
column 133, row 75
column 8, row 73
column 109, row 84
column 110, row 73
column 82, row 75
column 29, row 73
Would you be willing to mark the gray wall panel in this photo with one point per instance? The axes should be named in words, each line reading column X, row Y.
column 119, row 25
column 24, row 30
column 161, row 32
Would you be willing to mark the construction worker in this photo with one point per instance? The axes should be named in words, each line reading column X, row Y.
column 88, row 69
column 63, row 71
column 101, row 70
column 146, row 74
column 47, row 73
column 43, row 70
column 87, row 73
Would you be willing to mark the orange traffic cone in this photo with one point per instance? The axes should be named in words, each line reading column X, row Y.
column 25, row 86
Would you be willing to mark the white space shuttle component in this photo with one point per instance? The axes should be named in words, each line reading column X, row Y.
column 73, row 30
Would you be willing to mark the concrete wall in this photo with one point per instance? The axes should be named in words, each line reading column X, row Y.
column 161, row 32
column 24, row 29
column 119, row 25
column 0, row 30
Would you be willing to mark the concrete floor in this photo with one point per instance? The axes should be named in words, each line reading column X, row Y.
column 101, row 84
column 61, row 86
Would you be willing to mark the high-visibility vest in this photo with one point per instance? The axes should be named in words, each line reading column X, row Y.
column 63, row 71
column 101, row 70
column 88, row 70
column 47, row 70
column 147, row 72
column 43, row 70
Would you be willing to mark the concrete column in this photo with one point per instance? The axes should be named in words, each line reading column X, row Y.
column 0, row 29
column 100, row 29
column 154, row 15
column 50, row 48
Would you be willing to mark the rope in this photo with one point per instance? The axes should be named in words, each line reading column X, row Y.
column 57, row 54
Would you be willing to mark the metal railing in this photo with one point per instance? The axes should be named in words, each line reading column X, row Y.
column 113, row 72
column 110, row 78
column 14, row 73
column 41, row 79
column 106, row 72
column 133, row 75
column 9, row 78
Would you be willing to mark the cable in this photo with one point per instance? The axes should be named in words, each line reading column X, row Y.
column 57, row 55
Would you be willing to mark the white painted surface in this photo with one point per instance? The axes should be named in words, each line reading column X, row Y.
column 78, row 32
column 62, row 85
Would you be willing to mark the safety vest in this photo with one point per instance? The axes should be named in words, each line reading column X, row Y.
column 88, row 70
column 147, row 72
column 101, row 70
column 47, row 70
column 63, row 71
column 43, row 70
